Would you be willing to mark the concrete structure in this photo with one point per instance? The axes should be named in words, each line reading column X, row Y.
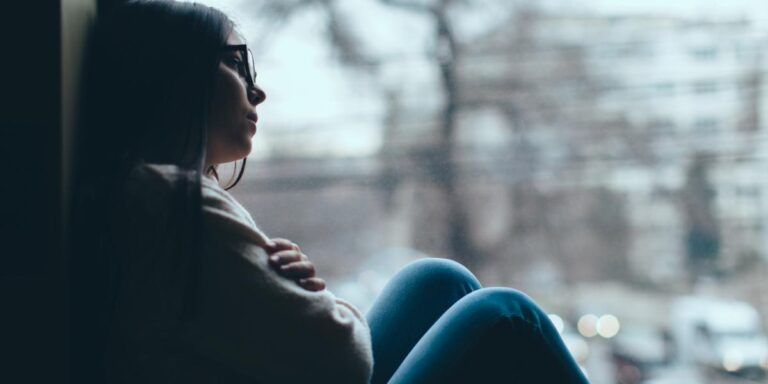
column 677, row 88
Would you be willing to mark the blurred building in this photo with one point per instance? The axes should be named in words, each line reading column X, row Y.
column 627, row 103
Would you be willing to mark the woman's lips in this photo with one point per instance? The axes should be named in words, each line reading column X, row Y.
column 252, row 119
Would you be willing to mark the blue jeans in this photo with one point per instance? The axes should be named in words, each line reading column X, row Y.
column 434, row 323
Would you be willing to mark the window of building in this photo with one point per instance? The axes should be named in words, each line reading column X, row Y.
column 705, row 87
column 706, row 125
column 705, row 53
column 666, row 88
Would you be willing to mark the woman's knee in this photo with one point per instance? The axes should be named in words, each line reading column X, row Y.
column 437, row 273
column 501, row 302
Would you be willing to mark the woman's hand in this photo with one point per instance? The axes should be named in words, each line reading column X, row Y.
column 286, row 258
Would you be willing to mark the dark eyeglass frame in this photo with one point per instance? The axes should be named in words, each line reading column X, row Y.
column 246, row 57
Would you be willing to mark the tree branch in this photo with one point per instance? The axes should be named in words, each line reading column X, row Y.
column 411, row 6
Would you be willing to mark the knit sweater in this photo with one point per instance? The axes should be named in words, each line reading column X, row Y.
column 243, row 319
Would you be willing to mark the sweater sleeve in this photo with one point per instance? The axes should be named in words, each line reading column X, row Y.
column 262, row 324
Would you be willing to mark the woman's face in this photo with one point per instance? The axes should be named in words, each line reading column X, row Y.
column 232, row 119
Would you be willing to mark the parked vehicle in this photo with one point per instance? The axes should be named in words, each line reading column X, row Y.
column 638, row 353
column 723, row 335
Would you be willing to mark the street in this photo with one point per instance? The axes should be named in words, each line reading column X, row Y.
column 600, row 371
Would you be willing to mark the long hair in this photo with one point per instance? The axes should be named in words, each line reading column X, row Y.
column 147, row 83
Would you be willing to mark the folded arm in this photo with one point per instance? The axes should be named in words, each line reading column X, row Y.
column 263, row 324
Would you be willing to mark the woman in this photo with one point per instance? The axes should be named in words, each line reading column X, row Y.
column 171, row 279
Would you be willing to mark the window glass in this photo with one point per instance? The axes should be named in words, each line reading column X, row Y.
column 607, row 157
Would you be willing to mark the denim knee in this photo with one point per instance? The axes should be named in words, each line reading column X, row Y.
column 438, row 274
column 492, row 304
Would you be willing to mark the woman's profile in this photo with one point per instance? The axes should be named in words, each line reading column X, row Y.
column 172, row 281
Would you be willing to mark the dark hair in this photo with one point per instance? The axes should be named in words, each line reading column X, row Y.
column 147, row 82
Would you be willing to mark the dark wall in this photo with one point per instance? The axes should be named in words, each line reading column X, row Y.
column 32, row 296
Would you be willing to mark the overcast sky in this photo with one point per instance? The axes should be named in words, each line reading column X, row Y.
column 309, row 93
column 679, row 7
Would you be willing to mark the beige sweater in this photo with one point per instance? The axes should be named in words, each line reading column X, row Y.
column 246, row 317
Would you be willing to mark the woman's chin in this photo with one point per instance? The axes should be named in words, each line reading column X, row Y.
column 247, row 148
column 241, row 149
column 244, row 152
column 235, row 155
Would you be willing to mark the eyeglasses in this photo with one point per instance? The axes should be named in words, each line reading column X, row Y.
column 246, row 68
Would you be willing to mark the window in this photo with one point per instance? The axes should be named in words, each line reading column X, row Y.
column 665, row 88
column 705, row 53
column 705, row 87
column 706, row 125
column 662, row 126
column 351, row 158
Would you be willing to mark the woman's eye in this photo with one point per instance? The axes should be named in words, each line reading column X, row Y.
column 236, row 64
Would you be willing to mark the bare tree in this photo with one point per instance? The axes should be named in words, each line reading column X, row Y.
column 540, row 84
column 539, row 79
column 439, row 156
column 273, row 14
column 702, row 224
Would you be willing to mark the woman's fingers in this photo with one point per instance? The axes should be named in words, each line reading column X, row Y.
column 312, row 284
column 285, row 257
column 297, row 270
column 280, row 244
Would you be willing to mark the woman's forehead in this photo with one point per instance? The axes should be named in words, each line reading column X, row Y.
column 234, row 38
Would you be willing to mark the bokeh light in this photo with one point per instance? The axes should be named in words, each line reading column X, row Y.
column 733, row 361
column 558, row 322
column 608, row 326
column 587, row 325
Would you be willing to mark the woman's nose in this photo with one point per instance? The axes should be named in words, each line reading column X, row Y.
column 256, row 95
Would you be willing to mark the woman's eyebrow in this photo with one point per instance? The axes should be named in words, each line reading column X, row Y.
column 238, row 52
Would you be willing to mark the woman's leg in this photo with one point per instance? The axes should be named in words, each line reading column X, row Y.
column 409, row 305
column 492, row 335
